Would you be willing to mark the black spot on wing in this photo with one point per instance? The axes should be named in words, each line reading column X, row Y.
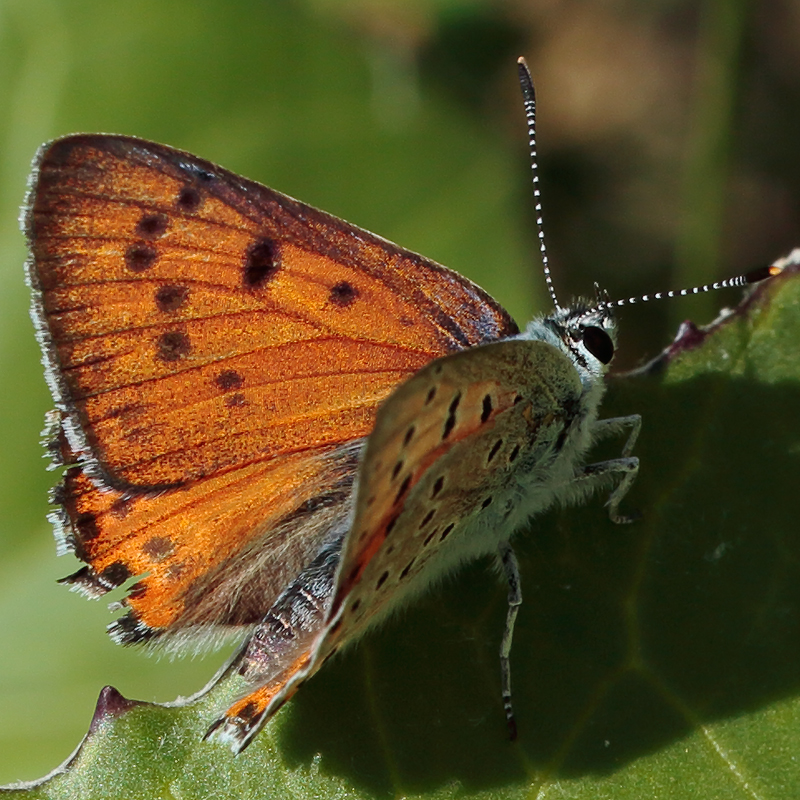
column 486, row 411
column 261, row 263
column 171, row 297
column 450, row 422
column 343, row 294
column 152, row 226
column 140, row 257
column 229, row 379
column 172, row 346
column 189, row 199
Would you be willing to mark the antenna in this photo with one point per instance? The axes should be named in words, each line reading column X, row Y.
column 753, row 276
column 529, row 102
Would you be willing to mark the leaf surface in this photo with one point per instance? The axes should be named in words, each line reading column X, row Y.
column 660, row 659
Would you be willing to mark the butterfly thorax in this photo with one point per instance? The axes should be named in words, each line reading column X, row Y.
column 546, row 476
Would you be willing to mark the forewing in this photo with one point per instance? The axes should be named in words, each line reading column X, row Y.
column 193, row 321
column 216, row 350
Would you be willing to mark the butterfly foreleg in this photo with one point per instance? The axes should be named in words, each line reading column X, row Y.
column 604, row 428
column 511, row 570
column 626, row 467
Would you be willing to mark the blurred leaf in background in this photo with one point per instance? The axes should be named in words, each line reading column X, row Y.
column 403, row 118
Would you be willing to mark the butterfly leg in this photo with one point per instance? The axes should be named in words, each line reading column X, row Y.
column 511, row 569
column 626, row 466
column 629, row 469
column 604, row 428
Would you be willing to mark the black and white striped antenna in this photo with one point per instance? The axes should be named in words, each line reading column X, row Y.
column 529, row 101
column 753, row 276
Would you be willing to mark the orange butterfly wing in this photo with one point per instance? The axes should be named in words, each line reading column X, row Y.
column 213, row 346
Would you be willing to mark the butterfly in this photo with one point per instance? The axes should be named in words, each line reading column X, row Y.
column 284, row 427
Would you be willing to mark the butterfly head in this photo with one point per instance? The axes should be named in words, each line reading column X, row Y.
column 586, row 335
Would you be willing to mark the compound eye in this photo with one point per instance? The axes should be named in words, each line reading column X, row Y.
column 598, row 343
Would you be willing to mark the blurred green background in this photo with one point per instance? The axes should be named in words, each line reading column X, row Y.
column 668, row 150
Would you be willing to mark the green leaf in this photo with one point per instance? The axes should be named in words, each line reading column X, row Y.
column 658, row 659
